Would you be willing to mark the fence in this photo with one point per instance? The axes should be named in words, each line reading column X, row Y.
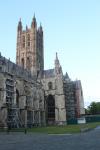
column 92, row 118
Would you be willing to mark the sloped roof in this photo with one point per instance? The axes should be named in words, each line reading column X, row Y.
column 49, row 73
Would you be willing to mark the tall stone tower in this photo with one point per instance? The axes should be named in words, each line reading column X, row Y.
column 29, row 52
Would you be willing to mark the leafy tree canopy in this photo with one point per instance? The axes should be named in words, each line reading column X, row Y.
column 93, row 108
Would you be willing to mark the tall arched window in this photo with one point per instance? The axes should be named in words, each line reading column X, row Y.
column 28, row 39
column 50, row 86
column 23, row 41
column 22, row 62
column 28, row 63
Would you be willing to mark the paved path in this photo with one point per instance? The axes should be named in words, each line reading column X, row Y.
column 19, row 141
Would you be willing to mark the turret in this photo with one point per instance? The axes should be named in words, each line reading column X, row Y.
column 26, row 28
column 20, row 25
column 40, row 30
column 34, row 23
column 58, row 68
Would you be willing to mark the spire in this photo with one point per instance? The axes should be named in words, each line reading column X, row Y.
column 57, row 60
column 40, row 26
column 34, row 23
column 34, row 19
column 40, row 30
column 26, row 27
column 34, row 15
column 56, row 56
column 58, row 68
column 20, row 25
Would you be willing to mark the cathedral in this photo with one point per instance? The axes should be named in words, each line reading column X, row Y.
column 31, row 96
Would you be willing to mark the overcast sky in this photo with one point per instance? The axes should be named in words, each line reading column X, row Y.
column 71, row 28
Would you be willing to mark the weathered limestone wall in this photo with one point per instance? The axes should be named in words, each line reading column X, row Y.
column 60, row 101
column 30, row 95
column 45, row 83
column 23, row 91
column 57, row 92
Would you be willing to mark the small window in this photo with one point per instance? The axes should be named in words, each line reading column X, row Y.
column 50, row 86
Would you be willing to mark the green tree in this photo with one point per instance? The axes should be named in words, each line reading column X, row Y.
column 94, row 108
column 87, row 111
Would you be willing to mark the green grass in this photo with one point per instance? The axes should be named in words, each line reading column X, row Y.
column 63, row 129
column 55, row 129
column 58, row 129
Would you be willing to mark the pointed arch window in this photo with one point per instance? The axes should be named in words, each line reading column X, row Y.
column 28, row 40
column 23, row 41
column 22, row 62
column 28, row 63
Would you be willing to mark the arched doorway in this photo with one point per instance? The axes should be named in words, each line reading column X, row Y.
column 50, row 109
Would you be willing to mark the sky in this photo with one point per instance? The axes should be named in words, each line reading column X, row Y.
column 71, row 28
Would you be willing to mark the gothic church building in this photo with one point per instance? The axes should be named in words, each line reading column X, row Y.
column 31, row 96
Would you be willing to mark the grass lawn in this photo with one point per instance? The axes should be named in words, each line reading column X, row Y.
column 63, row 129
column 58, row 129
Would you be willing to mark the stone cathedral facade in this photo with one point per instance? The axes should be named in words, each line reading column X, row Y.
column 31, row 96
